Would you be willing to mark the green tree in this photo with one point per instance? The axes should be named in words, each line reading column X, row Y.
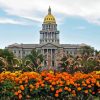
column 35, row 58
column 21, row 64
column 6, row 58
column 87, row 50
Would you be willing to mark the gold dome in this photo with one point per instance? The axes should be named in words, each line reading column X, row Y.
column 49, row 18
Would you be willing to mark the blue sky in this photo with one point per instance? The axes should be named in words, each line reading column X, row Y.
column 78, row 21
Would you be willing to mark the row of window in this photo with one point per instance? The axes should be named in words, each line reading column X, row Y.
column 49, row 26
column 49, row 40
column 49, row 35
column 49, row 19
column 24, row 52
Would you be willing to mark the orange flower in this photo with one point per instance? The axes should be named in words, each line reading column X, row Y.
column 79, row 88
column 31, row 90
column 69, row 89
column 60, row 90
column 22, row 87
column 16, row 80
column 67, row 83
column 42, row 85
column 89, row 86
column 74, row 94
column 42, row 74
column 75, row 84
column 50, row 86
column 20, row 82
column 92, row 84
column 19, row 91
column 26, row 81
column 57, row 91
column 86, row 91
column 16, row 93
column 37, row 85
column 98, row 83
column 84, row 84
column 87, row 81
column 52, row 89
column 71, row 82
column 47, row 78
column 53, row 83
column 93, row 81
column 78, row 84
column 56, row 95
column 25, row 85
column 66, row 88
column 73, row 91
column 20, row 96
column 31, row 86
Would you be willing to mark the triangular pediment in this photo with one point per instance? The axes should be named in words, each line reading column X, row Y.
column 50, row 45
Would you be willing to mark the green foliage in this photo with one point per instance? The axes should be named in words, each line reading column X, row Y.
column 87, row 50
column 35, row 58
column 6, row 89
column 9, row 62
column 6, row 59
column 5, row 53
column 86, row 65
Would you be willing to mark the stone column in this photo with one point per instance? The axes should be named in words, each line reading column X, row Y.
column 56, row 55
column 57, row 36
column 40, row 36
column 21, row 53
column 43, row 55
column 54, row 37
column 47, row 57
column 51, row 35
column 51, row 57
column 47, row 36
column 43, row 37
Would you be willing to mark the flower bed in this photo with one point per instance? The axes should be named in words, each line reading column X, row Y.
column 50, row 85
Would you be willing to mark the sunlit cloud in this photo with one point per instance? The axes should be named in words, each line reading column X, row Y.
column 10, row 21
column 35, row 10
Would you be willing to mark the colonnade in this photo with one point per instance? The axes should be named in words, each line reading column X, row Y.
column 49, row 55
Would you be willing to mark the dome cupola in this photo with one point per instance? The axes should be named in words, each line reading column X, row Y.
column 49, row 19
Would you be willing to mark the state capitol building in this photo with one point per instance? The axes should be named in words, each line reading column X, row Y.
column 49, row 45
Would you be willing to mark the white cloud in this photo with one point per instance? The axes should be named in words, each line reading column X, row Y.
column 10, row 21
column 36, row 9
